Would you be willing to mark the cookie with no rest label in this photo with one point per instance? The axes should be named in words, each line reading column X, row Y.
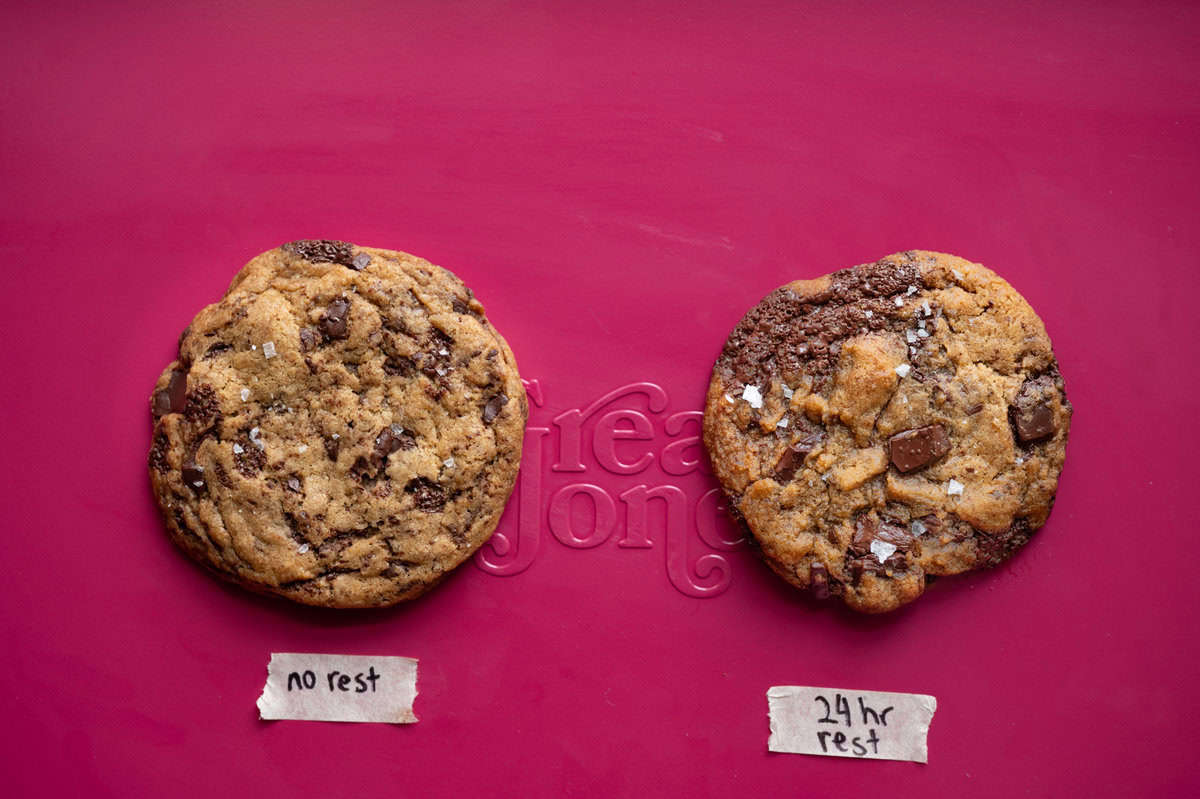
column 343, row 428
column 888, row 423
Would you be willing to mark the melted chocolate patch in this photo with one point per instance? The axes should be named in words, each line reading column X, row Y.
column 428, row 496
column 789, row 335
column 323, row 251
column 202, row 406
column 992, row 550
column 157, row 460
column 251, row 459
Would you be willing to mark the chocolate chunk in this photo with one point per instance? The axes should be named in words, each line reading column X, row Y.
column 173, row 398
column 427, row 495
column 793, row 456
column 492, row 409
column 1031, row 414
column 334, row 320
column 323, row 251
column 308, row 339
column 193, row 476
column 867, row 529
column 360, row 262
column 919, row 447
column 974, row 409
column 390, row 439
column 332, row 444
column 458, row 305
column 818, row 580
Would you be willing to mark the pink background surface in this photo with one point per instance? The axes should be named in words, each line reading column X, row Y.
column 618, row 182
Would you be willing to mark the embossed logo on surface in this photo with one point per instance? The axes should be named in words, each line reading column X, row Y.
column 597, row 473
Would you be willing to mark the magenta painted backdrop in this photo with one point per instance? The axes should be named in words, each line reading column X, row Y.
column 619, row 182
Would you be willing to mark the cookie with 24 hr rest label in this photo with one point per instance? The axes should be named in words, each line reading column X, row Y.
column 886, row 424
column 342, row 428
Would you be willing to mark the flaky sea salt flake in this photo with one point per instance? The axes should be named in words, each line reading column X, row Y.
column 237, row 449
column 925, row 309
column 302, row 548
column 882, row 549
column 911, row 290
column 911, row 336
column 787, row 391
column 917, row 527
column 752, row 395
column 903, row 370
column 303, row 448
column 449, row 462
column 899, row 302
column 954, row 488
column 782, row 422
column 269, row 349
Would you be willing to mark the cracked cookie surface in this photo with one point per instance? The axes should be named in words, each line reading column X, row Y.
column 342, row 428
column 888, row 423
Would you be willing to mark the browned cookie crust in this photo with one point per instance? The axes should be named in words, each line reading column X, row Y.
column 343, row 428
column 887, row 422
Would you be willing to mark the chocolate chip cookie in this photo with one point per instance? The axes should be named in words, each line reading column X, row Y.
column 886, row 424
column 342, row 428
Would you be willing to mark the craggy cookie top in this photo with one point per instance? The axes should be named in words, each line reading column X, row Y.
column 343, row 428
column 887, row 422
